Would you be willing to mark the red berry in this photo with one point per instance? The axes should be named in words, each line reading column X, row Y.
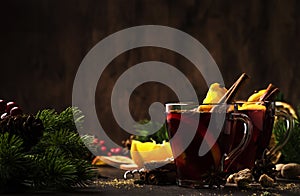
column 103, row 148
column 95, row 141
column 117, row 150
column 109, row 154
column 112, row 150
column 15, row 111
column 101, row 142
column 9, row 106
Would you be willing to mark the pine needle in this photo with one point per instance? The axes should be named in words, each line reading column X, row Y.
column 13, row 161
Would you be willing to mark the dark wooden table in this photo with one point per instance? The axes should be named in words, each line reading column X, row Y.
column 111, row 182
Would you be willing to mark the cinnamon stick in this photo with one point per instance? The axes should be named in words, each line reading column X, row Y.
column 232, row 91
column 270, row 93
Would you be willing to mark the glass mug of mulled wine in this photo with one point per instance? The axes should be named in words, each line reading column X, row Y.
column 262, row 115
column 201, row 141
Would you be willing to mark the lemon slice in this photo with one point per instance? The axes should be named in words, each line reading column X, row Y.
column 252, row 106
column 215, row 93
column 142, row 152
column 256, row 96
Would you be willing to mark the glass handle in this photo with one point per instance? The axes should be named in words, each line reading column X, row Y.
column 247, row 134
column 290, row 123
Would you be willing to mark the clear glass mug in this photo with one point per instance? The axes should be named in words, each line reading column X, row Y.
column 202, row 141
column 262, row 115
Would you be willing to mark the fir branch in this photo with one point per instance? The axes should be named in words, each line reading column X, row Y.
column 290, row 152
column 56, row 171
column 69, row 119
column 49, row 119
column 13, row 161
column 53, row 171
column 85, row 173
column 88, row 140
column 70, row 143
column 55, row 162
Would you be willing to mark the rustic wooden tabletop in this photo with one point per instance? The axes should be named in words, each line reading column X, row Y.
column 111, row 182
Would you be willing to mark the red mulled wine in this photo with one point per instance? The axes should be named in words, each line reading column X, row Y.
column 189, row 131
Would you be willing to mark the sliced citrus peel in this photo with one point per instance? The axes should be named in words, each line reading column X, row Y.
column 252, row 106
column 115, row 160
column 219, row 95
column 267, row 94
column 143, row 152
column 98, row 161
column 215, row 93
column 205, row 108
column 256, row 96
column 255, row 100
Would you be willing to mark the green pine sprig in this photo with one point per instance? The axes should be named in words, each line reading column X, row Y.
column 13, row 162
column 72, row 163
column 60, row 159
column 69, row 142
column 54, row 171
column 68, row 119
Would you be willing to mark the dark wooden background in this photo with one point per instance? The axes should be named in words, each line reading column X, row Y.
column 43, row 42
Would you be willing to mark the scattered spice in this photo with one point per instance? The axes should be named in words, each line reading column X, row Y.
column 241, row 178
column 289, row 186
column 118, row 183
column 266, row 181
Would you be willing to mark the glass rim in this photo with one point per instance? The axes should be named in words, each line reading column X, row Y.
column 193, row 106
column 231, row 103
column 245, row 101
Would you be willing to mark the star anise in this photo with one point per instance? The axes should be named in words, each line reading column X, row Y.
column 264, row 166
column 214, row 178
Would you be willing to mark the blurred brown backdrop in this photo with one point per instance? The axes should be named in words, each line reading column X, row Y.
column 44, row 41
